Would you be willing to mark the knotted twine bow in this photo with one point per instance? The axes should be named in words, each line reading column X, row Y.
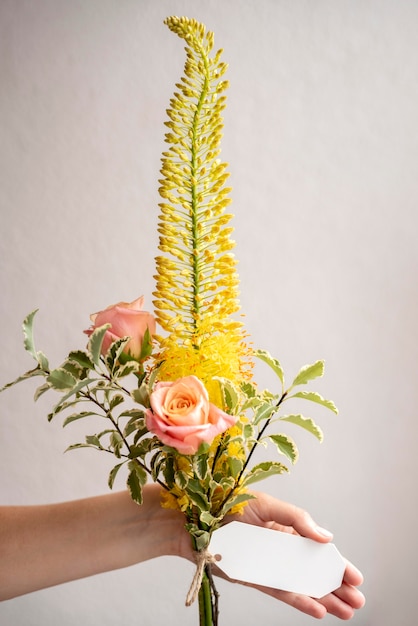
column 202, row 558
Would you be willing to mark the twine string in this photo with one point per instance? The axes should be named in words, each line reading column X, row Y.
column 202, row 558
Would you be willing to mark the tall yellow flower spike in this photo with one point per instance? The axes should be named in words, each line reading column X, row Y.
column 197, row 283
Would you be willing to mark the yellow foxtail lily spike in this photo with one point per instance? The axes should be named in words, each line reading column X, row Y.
column 196, row 294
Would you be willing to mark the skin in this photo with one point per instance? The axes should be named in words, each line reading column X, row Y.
column 46, row 545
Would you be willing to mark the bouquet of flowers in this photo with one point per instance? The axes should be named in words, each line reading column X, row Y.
column 180, row 406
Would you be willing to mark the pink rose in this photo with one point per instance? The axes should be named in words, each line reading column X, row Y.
column 127, row 320
column 182, row 417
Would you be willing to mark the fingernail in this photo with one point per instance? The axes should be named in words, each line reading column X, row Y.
column 324, row 532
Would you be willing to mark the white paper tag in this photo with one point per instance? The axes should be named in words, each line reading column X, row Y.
column 275, row 559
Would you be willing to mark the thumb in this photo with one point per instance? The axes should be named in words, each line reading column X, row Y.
column 293, row 518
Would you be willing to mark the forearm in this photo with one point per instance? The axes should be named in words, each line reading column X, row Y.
column 47, row 545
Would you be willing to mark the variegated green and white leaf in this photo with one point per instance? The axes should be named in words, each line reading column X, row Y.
column 309, row 372
column 77, row 416
column 28, row 340
column 273, row 363
column 305, row 422
column 137, row 478
column 61, row 380
column 96, row 341
column 313, row 396
column 113, row 474
column 285, row 445
column 264, row 470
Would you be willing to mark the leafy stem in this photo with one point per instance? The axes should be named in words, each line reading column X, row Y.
column 259, row 437
column 252, row 450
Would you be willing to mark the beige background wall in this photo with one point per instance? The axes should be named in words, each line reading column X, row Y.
column 321, row 135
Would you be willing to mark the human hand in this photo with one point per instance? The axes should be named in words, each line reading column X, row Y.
column 269, row 512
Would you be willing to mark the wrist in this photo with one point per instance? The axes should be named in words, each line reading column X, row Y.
column 148, row 530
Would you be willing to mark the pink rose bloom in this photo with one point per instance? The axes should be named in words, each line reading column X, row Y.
column 182, row 417
column 127, row 320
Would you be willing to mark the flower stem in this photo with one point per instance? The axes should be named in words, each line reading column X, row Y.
column 207, row 614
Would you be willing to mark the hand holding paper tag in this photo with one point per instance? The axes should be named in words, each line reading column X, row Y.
column 271, row 558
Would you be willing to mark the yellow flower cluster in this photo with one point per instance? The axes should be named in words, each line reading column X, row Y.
column 197, row 283
column 178, row 499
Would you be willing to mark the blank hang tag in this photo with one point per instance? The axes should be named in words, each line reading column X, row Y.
column 271, row 558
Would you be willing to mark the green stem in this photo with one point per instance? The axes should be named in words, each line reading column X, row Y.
column 208, row 600
column 193, row 187
column 205, row 603
column 207, row 595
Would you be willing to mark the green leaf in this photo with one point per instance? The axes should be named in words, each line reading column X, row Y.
column 264, row 470
column 201, row 537
column 96, row 341
column 137, row 478
column 315, row 397
column 140, row 431
column 286, row 446
column 61, row 380
column 229, row 393
column 203, row 448
column 309, row 372
column 248, row 431
column 124, row 370
column 200, row 466
column 77, row 446
column 264, row 412
column 63, row 404
column 198, row 499
column 202, row 540
column 238, row 499
column 133, row 413
column 235, row 466
column 77, row 416
column 28, row 341
column 116, row 443
column 265, row 356
column 305, row 422
column 115, row 401
column 156, row 464
column 115, row 351
column 43, row 361
column 169, row 471
column 103, row 433
column 208, row 519
column 249, row 390
column 135, row 423
column 73, row 368
column 30, row 374
column 82, row 358
column 153, row 376
column 113, row 473
column 143, row 447
column 181, row 479
column 93, row 440
column 146, row 346
column 41, row 390
column 141, row 395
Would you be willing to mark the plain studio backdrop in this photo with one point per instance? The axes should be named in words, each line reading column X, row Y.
column 321, row 136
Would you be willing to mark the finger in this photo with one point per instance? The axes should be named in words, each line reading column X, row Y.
column 352, row 575
column 270, row 509
column 337, row 607
column 351, row 596
column 342, row 603
column 302, row 603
